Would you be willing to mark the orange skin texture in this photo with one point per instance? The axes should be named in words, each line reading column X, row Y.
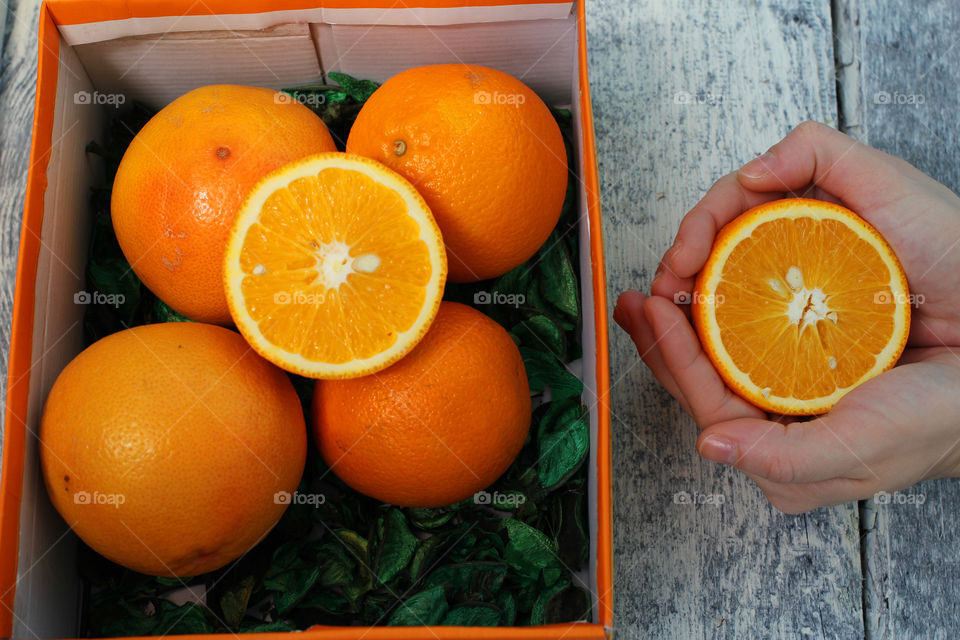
column 195, row 431
column 436, row 427
column 185, row 175
column 485, row 152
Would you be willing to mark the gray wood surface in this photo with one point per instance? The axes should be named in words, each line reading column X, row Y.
column 18, row 72
column 909, row 107
column 683, row 93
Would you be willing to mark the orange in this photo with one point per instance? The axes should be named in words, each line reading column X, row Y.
column 334, row 267
column 436, row 427
column 164, row 447
column 185, row 174
column 484, row 151
column 799, row 302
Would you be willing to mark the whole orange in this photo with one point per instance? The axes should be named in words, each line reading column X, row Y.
column 485, row 152
column 436, row 427
column 186, row 173
column 164, row 447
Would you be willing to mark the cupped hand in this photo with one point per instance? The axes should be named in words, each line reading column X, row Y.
column 897, row 429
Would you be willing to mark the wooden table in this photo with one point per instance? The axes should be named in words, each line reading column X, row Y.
column 683, row 93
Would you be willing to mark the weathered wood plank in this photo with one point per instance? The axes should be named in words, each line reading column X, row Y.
column 17, row 79
column 684, row 93
column 905, row 56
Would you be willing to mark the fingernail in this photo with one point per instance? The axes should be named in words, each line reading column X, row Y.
column 759, row 166
column 674, row 252
column 620, row 317
column 719, row 449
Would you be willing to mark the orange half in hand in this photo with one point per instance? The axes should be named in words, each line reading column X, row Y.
column 799, row 302
column 335, row 267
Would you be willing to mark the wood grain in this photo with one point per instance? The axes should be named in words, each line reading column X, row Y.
column 684, row 93
column 906, row 56
column 17, row 79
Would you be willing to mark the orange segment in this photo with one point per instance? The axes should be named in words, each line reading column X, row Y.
column 335, row 267
column 799, row 302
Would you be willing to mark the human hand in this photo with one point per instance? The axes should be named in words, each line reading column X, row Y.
column 897, row 429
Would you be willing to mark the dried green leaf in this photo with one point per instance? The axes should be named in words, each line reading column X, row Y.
column 559, row 279
column 425, row 608
column 564, row 440
column 528, row 550
column 359, row 90
column 234, row 600
column 541, row 333
column 479, row 615
column 397, row 546
column 544, row 370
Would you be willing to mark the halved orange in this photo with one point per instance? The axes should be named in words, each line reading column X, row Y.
column 799, row 302
column 335, row 267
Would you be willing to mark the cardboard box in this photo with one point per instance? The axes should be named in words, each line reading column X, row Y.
column 155, row 50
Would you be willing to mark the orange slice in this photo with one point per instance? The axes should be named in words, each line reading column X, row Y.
column 334, row 267
column 799, row 302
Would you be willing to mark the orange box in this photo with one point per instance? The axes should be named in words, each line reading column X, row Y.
column 154, row 50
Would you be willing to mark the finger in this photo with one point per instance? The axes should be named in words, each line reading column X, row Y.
column 798, row 452
column 815, row 154
column 725, row 200
column 709, row 398
column 629, row 314
column 670, row 286
column 800, row 498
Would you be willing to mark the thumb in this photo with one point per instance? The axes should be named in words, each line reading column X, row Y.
column 812, row 451
column 814, row 153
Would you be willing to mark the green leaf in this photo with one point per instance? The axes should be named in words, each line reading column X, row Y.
column 541, row 333
column 289, row 578
column 423, row 556
column 559, row 283
column 425, row 608
column 528, row 550
column 326, row 600
column 508, row 608
column 359, row 90
column 429, row 518
column 561, row 603
column 163, row 313
column 473, row 580
column 564, row 440
column 544, row 370
column 234, row 600
column 397, row 546
column 481, row 615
